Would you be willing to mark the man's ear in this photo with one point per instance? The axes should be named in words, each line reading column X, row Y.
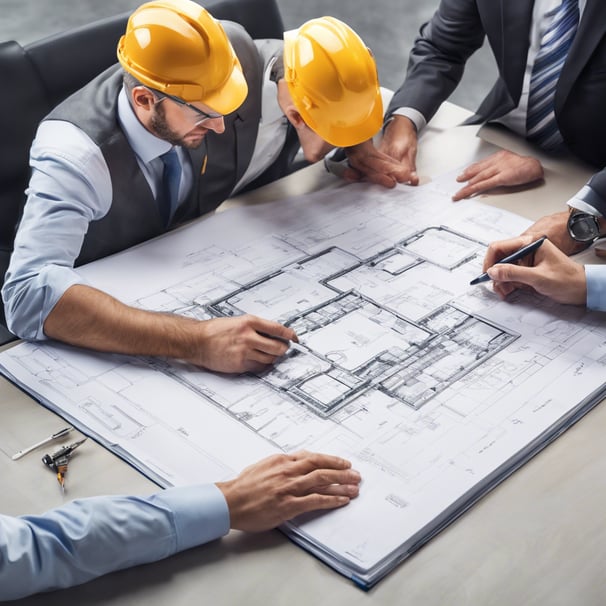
column 294, row 117
column 142, row 97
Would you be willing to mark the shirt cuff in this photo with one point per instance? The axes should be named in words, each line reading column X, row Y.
column 200, row 513
column 415, row 116
column 596, row 287
column 588, row 201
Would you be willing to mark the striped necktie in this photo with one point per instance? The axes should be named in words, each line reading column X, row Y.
column 541, row 126
column 171, row 177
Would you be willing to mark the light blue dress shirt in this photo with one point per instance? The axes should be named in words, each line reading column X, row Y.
column 596, row 287
column 70, row 186
column 90, row 537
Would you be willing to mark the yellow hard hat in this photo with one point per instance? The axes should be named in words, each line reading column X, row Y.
column 178, row 48
column 333, row 81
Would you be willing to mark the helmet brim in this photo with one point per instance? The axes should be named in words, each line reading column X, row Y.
column 354, row 134
column 231, row 95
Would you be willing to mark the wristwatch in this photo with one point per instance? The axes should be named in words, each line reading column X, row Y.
column 583, row 227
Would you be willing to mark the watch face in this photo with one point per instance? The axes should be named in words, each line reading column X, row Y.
column 583, row 227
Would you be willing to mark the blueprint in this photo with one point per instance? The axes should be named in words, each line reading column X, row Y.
column 434, row 389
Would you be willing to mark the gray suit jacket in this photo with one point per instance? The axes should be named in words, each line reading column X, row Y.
column 458, row 28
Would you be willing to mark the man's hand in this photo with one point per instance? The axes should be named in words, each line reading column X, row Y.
column 555, row 227
column 242, row 344
column 282, row 487
column 393, row 162
column 87, row 317
column 502, row 169
column 549, row 271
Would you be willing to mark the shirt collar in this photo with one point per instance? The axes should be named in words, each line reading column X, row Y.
column 145, row 144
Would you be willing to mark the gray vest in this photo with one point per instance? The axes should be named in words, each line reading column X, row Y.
column 134, row 216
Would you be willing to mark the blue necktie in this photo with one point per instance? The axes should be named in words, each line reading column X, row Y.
column 171, row 177
column 541, row 125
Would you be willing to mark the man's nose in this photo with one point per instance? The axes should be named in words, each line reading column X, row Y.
column 215, row 124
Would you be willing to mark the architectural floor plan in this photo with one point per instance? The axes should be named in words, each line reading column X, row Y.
column 434, row 389
column 365, row 324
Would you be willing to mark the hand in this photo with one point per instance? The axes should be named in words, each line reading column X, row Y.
column 502, row 169
column 241, row 344
column 549, row 271
column 282, row 487
column 555, row 227
column 393, row 162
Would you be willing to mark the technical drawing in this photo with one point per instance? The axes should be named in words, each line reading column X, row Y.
column 358, row 336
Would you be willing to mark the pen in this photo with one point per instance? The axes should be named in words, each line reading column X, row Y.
column 291, row 344
column 55, row 436
column 516, row 256
column 297, row 347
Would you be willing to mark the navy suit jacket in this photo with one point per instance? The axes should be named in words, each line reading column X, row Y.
column 458, row 28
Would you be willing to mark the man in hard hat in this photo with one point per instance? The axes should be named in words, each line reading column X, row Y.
column 162, row 138
column 321, row 85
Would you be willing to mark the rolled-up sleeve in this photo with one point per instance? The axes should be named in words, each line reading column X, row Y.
column 70, row 186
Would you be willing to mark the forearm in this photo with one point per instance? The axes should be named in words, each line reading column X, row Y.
column 87, row 317
column 437, row 59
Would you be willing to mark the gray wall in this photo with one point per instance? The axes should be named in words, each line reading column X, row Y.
column 387, row 26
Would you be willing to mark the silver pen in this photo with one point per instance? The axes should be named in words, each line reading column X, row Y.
column 55, row 436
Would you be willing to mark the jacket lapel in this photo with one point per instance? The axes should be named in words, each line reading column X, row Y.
column 514, row 20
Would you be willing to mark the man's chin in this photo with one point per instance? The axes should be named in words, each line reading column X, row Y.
column 192, row 141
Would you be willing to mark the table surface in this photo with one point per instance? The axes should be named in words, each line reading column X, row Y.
column 538, row 538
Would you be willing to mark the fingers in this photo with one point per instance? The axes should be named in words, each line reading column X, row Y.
column 269, row 340
column 382, row 169
column 501, row 248
column 476, row 186
column 316, row 473
column 504, row 289
column 503, row 168
column 320, row 482
column 271, row 329
column 507, row 278
column 378, row 178
column 283, row 486
column 240, row 344
column 508, row 272
column 329, row 482
column 413, row 177
column 309, row 461
column 550, row 272
column 475, row 169
column 480, row 177
column 392, row 162
column 315, row 502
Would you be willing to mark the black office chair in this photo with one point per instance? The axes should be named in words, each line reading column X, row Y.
column 40, row 75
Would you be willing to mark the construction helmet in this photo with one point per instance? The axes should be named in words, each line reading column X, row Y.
column 332, row 79
column 178, row 48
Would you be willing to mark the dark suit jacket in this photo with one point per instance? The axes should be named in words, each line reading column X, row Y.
column 458, row 28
